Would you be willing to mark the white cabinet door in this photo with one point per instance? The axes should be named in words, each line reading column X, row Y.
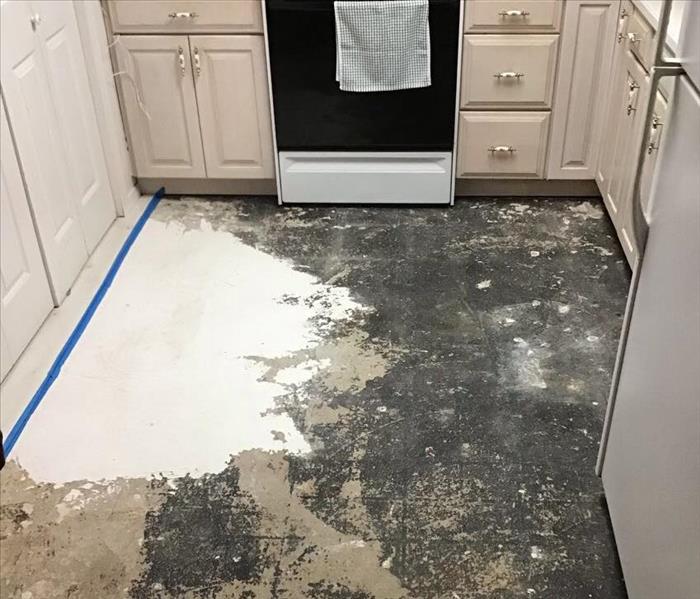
column 67, row 77
column 585, row 61
column 234, row 107
column 26, row 298
column 160, row 105
column 622, row 135
column 50, row 108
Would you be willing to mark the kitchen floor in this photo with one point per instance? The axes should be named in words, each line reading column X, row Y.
column 331, row 403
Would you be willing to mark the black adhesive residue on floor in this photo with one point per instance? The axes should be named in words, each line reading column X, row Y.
column 470, row 461
column 453, row 430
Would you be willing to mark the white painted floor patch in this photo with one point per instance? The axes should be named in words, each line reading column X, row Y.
column 162, row 380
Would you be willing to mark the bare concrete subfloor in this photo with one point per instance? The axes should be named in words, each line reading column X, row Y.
column 452, row 425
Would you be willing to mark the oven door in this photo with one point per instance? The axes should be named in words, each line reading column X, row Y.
column 313, row 114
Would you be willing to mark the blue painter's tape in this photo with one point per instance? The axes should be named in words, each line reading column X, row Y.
column 79, row 329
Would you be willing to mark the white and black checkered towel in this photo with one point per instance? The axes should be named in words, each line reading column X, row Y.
column 382, row 45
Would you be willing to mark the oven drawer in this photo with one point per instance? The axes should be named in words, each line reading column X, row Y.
column 508, row 71
column 365, row 177
column 505, row 144
column 185, row 16
column 522, row 16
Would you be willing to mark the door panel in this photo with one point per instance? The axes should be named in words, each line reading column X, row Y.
column 234, row 107
column 43, row 155
column 160, row 105
column 67, row 77
column 24, row 287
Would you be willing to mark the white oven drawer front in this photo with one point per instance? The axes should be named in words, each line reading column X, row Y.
column 185, row 16
column 502, row 144
column 366, row 177
column 508, row 71
column 521, row 16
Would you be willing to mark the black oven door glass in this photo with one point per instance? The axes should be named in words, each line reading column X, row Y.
column 313, row 114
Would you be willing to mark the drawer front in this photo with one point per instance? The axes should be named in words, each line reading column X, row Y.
column 502, row 144
column 640, row 38
column 508, row 71
column 185, row 16
column 522, row 16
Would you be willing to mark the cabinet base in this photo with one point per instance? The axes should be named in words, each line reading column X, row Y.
column 526, row 187
column 209, row 186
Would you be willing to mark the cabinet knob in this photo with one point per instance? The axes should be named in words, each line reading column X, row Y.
column 634, row 38
column 35, row 20
column 501, row 149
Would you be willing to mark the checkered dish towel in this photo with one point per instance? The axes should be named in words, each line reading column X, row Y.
column 382, row 45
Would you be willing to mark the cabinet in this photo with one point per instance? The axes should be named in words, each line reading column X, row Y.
column 509, row 63
column 161, row 107
column 50, row 109
column 196, row 106
column 24, row 287
column 624, row 125
column 588, row 40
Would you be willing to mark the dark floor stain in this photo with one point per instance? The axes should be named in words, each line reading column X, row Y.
column 467, row 468
column 202, row 537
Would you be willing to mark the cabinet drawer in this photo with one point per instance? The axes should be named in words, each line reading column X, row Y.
column 506, row 144
column 508, row 71
column 185, row 16
column 640, row 38
column 491, row 16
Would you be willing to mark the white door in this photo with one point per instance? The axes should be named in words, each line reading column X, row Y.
column 31, row 111
column 234, row 106
column 160, row 105
column 50, row 109
column 24, row 288
column 67, row 76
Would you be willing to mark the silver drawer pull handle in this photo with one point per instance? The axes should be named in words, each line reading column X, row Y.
column 630, row 109
column 197, row 62
column 501, row 149
column 514, row 13
column 181, row 60
column 634, row 38
column 509, row 75
column 183, row 15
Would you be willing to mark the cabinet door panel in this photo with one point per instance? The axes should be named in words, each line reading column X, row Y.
column 66, row 75
column 31, row 110
column 24, row 287
column 160, row 105
column 234, row 107
column 588, row 38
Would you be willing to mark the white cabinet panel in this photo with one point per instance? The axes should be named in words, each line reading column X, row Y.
column 508, row 71
column 234, row 108
column 186, row 16
column 522, row 16
column 24, row 288
column 585, row 61
column 502, row 144
column 160, row 105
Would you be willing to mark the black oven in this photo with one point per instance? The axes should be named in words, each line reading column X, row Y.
column 313, row 114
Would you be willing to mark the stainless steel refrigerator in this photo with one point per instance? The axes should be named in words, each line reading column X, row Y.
column 650, row 451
